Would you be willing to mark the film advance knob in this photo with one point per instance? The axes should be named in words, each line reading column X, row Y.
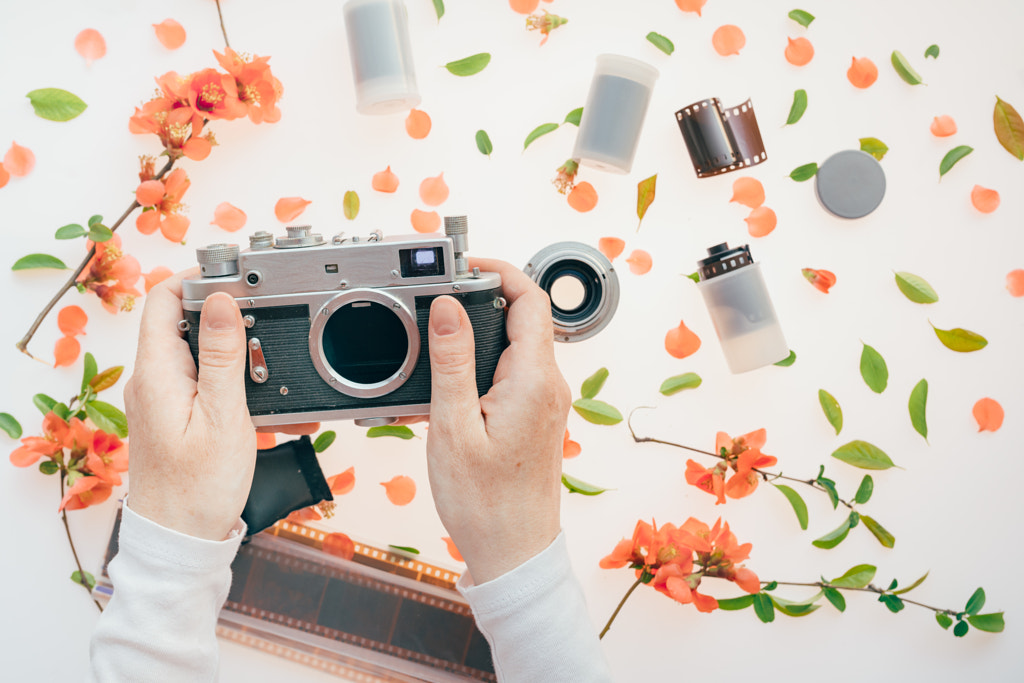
column 218, row 260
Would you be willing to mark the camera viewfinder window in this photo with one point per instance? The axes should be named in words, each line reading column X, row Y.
column 365, row 342
column 422, row 262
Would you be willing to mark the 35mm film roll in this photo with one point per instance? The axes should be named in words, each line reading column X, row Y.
column 721, row 139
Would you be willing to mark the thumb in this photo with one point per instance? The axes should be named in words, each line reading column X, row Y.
column 454, row 397
column 221, row 353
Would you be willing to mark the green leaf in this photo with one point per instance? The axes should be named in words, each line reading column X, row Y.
column 10, row 425
column 874, row 147
column 93, row 220
column 84, row 578
column 952, row 156
column 932, row 51
column 863, row 455
column 54, row 104
column 1009, row 128
column 912, row 586
column 542, row 129
column 945, row 621
column 763, row 608
column 770, row 586
column 439, row 9
column 917, row 405
column 350, row 205
column 915, row 288
column 483, row 142
column 100, row 233
column 106, row 379
column 38, row 261
column 805, row 172
column 833, row 413
column 592, row 385
column 324, row 441
column 788, row 360
column 579, row 486
column 733, row 604
column 405, row 549
column 799, row 106
column 88, row 370
column 400, row 431
column 873, row 369
column 856, row 577
column 903, row 68
column 799, row 506
column 854, row 519
column 661, row 42
column 49, row 467
column 959, row 339
column 801, row 17
column 695, row 276
column 107, row 418
column 62, row 411
column 468, row 66
column 975, row 602
column 574, row 116
column 879, row 531
column 834, row 537
column 961, row 629
column 864, row 491
column 829, row 486
column 894, row 603
column 990, row 623
column 70, row 231
column 44, row 403
column 793, row 608
column 836, row 598
column 673, row 385
column 597, row 412
column 645, row 196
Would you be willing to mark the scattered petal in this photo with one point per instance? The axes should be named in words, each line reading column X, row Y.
column 799, row 51
column 340, row 484
column 570, row 448
column 90, row 44
column 71, row 320
column 691, row 5
column 681, row 342
column 289, row 208
column 265, row 440
column 523, row 6
column 65, row 351
column 310, row 514
column 417, row 124
column 19, row 160
column 862, row 72
column 228, row 217
column 728, row 40
column 943, row 126
column 761, row 221
column 170, row 33
column 988, row 414
column 611, row 247
column 156, row 276
column 401, row 489
column 385, row 181
column 1015, row 282
column 583, row 197
column 339, row 544
column 748, row 192
column 639, row 262
column 434, row 191
column 984, row 199
column 4, row 175
column 452, row 550
column 425, row 221
column 821, row 279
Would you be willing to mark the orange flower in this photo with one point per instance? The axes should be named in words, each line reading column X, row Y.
column 34, row 447
column 821, row 279
column 84, row 492
column 743, row 455
column 215, row 94
column 565, row 179
column 258, row 89
column 545, row 23
column 710, row 479
column 162, row 199
column 107, row 457
column 111, row 275
column 177, row 124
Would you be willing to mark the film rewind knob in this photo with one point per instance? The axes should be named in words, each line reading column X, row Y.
column 218, row 260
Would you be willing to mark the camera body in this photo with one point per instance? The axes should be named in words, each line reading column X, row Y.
column 337, row 329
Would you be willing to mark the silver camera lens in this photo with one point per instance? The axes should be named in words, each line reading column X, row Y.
column 582, row 285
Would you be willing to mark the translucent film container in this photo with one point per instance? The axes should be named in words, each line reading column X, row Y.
column 382, row 65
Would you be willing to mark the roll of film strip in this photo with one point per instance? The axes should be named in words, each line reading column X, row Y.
column 721, row 139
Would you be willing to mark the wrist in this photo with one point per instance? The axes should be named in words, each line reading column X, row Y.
column 498, row 557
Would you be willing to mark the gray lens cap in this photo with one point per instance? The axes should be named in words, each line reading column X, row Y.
column 850, row 184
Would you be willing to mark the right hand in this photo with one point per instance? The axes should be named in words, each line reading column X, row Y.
column 495, row 461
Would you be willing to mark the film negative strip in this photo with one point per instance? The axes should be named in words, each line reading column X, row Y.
column 720, row 139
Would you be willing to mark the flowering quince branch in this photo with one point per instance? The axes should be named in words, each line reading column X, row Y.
column 223, row 31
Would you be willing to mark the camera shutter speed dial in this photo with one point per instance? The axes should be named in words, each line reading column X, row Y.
column 218, row 260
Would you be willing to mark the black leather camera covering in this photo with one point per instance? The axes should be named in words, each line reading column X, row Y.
column 287, row 478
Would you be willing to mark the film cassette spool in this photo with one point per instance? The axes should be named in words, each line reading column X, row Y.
column 720, row 139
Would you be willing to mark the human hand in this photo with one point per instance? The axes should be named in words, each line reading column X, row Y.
column 495, row 461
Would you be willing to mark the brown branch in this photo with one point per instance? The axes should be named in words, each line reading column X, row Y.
column 870, row 588
column 224, row 31
column 74, row 553
column 619, row 607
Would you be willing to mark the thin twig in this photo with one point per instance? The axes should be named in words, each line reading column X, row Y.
column 616, row 612
column 74, row 553
column 870, row 588
column 224, row 31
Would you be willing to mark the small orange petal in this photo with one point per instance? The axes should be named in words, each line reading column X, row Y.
column 1015, row 282
column 197, row 149
column 988, row 414
column 19, row 161
column 761, row 221
column 417, row 124
column 290, row 208
column 170, row 33
column 71, row 320
column 228, row 217
column 340, row 545
column 90, row 44
column 425, row 221
column 748, row 192
column 681, row 342
column 691, row 5
column 639, row 262
column 148, row 222
column 434, row 191
column 149, row 193
column 728, row 40
column 310, row 514
column 174, row 226
column 340, row 484
column 156, row 276
column 523, row 6
column 862, row 72
column 265, row 440
column 984, row 199
column 65, row 351
column 401, row 489
column 452, row 550
column 799, row 51
column 943, row 126
column 611, row 247
column 385, row 181
column 583, row 197
column 4, row 175
column 570, row 448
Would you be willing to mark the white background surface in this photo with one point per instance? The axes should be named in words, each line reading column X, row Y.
column 954, row 506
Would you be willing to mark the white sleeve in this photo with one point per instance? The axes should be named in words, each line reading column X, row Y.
column 168, row 590
column 535, row 619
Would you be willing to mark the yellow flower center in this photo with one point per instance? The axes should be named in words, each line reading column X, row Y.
column 211, row 94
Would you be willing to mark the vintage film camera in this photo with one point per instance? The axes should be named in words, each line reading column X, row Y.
column 337, row 328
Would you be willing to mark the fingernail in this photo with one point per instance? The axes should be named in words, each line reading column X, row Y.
column 444, row 316
column 219, row 312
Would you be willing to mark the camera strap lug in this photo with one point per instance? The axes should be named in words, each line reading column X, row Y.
column 257, row 365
